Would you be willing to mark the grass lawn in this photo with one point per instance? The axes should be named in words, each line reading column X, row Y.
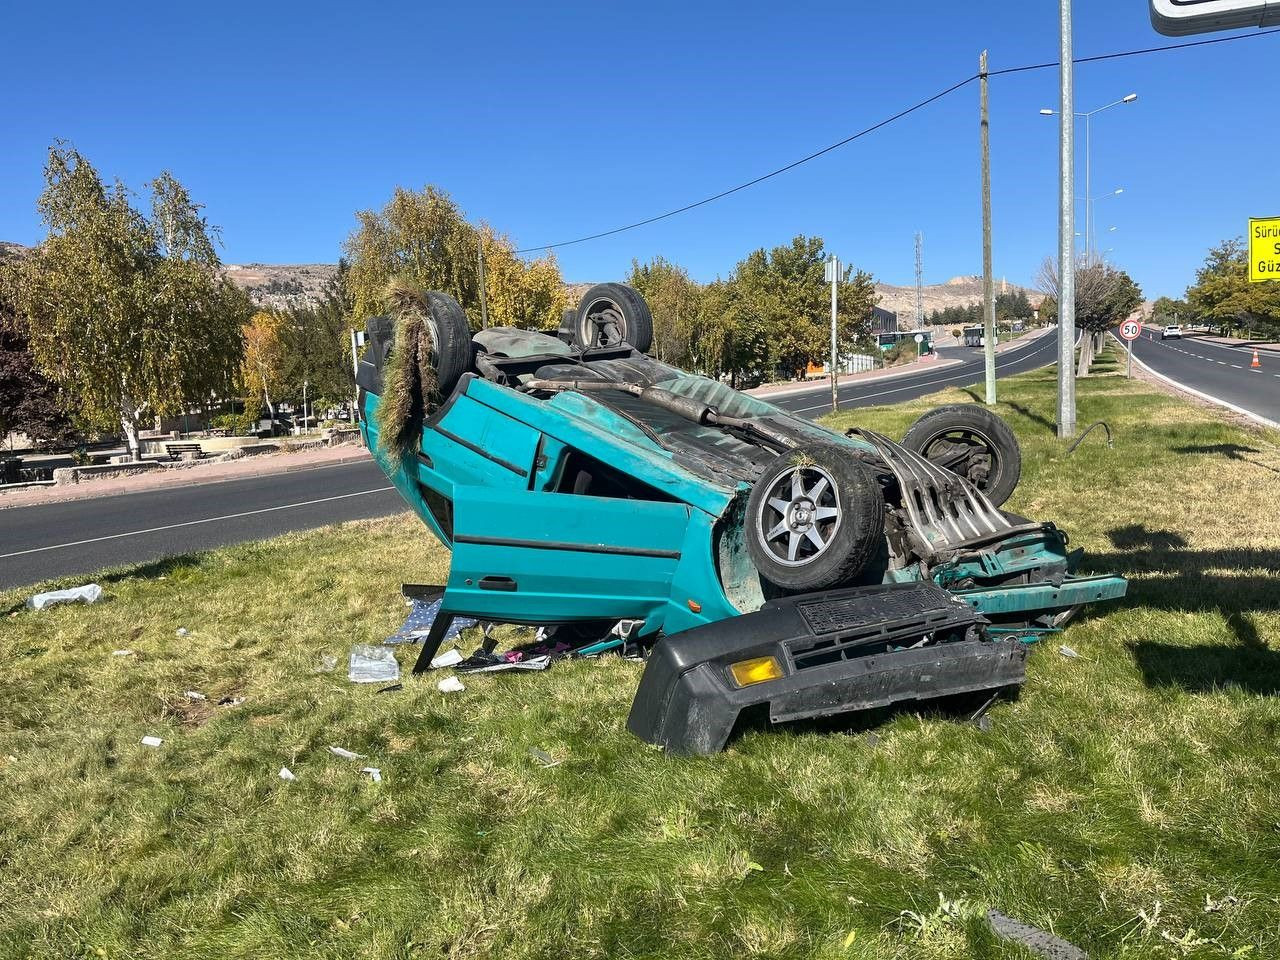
column 1128, row 801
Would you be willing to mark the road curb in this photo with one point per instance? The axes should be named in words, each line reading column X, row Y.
column 1179, row 385
column 824, row 383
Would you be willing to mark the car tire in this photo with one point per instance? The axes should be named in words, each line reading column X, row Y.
column 973, row 443
column 815, row 518
column 451, row 334
column 610, row 314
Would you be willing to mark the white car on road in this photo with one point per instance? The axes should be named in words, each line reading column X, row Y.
column 1172, row 332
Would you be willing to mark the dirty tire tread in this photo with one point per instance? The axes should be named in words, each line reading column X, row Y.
column 969, row 416
column 453, row 351
column 860, row 535
column 635, row 312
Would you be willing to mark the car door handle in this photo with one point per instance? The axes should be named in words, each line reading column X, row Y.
column 505, row 584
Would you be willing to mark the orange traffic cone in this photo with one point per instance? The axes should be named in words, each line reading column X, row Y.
column 1255, row 363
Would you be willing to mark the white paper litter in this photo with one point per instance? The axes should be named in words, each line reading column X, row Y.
column 89, row 593
column 194, row 695
column 287, row 774
column 1069, row 653
column 122, row 653
column 374, row 773
column 151, row 741
column 450, row 685
column 181, row 632
column 447, row 659
column 327, row 664
column 345, row 754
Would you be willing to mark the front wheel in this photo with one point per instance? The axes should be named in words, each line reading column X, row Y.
column 972, row 442
column 815, row 518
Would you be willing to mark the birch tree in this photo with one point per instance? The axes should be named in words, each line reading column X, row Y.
column 129, row 314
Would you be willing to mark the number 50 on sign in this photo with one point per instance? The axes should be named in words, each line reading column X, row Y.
column 1264, row 249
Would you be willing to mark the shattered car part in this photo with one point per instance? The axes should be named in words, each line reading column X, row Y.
column 769, row 563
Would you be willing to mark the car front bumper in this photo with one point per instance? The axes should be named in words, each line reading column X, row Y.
column 838, row 651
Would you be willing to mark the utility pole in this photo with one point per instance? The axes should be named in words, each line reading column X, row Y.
column 919, row 280
column 1066, row 234
column 988, row 291
column 833, row 277
column 484, row 305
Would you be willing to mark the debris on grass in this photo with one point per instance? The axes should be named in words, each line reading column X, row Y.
column 450, row 685
column 122, row 653
column 231, row 701
column 181, row 632
column 418, row 624
column 446, row 659
column 89, row 593
column 150, row 741
column 1071, row 654
column 327, row 664
column 287, row 774
column 374, row 773
column 194, row 695
column 543, row 758
column 345, row 754
column 481, row 662
column 373, row 664
column 1038, row 941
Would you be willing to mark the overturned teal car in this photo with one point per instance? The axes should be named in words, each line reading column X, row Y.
column 770, row 567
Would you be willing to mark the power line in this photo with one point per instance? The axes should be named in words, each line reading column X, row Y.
column 884, row 123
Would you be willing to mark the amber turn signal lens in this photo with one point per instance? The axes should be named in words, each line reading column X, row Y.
column 755, row 670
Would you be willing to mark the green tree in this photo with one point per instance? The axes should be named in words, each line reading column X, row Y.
column 423, row 239
column 129, row 315
column 266, row 358
column 675, row 302
column 1222, row 292
column 1166, row 310
column 30, row 403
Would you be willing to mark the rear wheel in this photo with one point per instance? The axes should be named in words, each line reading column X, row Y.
column 815, row 518
column 972, row 442
column 611, row 314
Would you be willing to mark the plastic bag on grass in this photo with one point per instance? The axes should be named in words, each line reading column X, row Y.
column 89, row 593
column 372, row 664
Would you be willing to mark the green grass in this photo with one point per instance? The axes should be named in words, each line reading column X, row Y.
column 1129, row 800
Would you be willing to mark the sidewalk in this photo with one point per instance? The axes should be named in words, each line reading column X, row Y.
column 284, row 462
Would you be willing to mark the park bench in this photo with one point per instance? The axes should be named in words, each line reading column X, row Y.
column 184, row 451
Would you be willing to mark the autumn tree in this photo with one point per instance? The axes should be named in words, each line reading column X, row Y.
column 1104, row 295
column 266, row 355
column 317, row 346
column 128, row 314
column 675, row 302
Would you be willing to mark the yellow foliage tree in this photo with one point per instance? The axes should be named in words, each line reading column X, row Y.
column 264, row 357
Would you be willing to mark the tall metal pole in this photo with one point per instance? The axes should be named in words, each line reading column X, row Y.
column 484, row 304
column 834, row 268
column 1066, row 235
column 988, row 289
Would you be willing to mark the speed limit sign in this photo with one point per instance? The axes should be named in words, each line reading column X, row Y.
column 1131, row 329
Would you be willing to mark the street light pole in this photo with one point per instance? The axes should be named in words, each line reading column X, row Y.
column 1066, row 233
column 833, row 275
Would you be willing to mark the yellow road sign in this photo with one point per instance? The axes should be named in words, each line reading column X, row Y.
column 1264, row 248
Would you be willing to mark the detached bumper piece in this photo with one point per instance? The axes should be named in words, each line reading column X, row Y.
column 818, row 655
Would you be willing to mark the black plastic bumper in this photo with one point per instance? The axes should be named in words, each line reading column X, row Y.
column 840, row 651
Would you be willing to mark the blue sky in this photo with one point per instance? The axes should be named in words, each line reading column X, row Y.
column 556, row 120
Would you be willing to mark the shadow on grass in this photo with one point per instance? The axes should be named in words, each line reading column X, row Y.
column 1232, row 451
column 1202, row 669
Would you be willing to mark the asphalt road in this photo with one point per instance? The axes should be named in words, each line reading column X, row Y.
column 1019, row 359
column 1223, row 373
column 81, row 536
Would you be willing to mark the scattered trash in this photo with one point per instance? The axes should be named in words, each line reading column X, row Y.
column 150, row 741
column 446, row 659
column 345, row 754
column 481, row 662
column 327, row 664
column 373, row 664
column 1069, row 653
column 450, row 685
column 194, row 695
column 1216, row 906
column 287, row 774
column 89, row 593
column 122, row 653
column 391, row 688
column 983, row 723
column 544, row 759
column 181, row 632
column 1034, row 939
column 871, row 739
column 418, row 624
column 374, row 773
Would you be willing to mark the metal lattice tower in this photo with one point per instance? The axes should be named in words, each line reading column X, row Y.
column 919, row 280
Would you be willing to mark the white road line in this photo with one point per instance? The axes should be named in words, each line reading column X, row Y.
column 191, row 523
column 954, row 378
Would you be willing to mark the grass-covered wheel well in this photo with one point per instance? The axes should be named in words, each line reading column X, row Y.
column 1128, row 800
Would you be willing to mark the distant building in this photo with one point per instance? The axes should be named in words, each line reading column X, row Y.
column 883, row 321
